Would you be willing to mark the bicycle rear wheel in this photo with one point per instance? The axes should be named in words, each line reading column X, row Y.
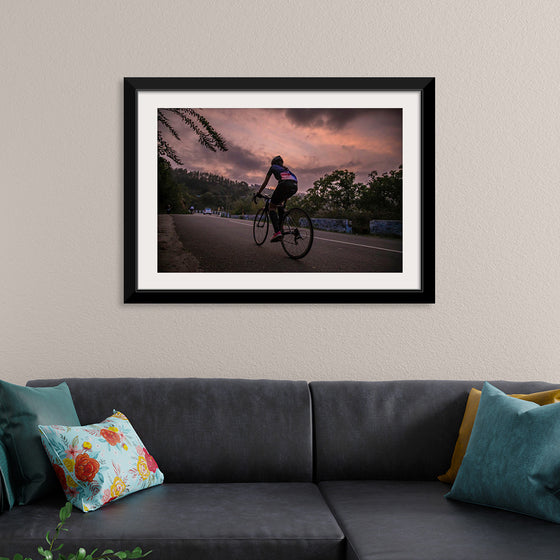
column 297, row 233
column 260, row 226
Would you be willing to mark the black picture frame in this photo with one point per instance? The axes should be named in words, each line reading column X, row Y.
column 424, row 290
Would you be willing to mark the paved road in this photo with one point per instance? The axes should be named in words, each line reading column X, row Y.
column 227, row 245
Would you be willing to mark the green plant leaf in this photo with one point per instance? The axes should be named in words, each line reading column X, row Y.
column 121, row 555
column 108, row 551
column 65, row 512
column 68, row 508
column 46, row 554
column 18, row 557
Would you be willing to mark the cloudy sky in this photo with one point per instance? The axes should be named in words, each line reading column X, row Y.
column 313, row 142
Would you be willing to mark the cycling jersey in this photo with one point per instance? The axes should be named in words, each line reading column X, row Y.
column 282, row 173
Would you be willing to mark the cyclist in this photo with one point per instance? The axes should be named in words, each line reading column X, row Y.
column 287, row 187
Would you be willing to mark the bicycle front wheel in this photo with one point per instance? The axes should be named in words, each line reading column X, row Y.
column 297, row 233
column 260, row 226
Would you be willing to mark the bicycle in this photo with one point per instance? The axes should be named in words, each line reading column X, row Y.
column 296, row 228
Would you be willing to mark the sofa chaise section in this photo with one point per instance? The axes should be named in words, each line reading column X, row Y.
column 412, row 520
column 379, row 449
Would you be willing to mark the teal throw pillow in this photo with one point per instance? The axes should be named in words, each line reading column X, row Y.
column 21, row 410
column 100, row 463
column 513, row 457
column 6, row 489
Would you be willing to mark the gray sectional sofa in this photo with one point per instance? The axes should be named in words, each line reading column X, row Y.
column 261, row 469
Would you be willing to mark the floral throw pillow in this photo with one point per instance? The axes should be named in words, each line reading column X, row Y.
column 99, row 463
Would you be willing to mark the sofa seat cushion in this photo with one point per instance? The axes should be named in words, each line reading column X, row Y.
column 192, row 521
column 413, row 521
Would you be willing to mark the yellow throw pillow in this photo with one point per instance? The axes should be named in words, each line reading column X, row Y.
column 541, row 398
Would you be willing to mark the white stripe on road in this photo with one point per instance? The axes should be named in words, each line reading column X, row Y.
column 245, row 223
column 357, row 244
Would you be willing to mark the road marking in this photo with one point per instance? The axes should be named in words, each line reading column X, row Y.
column 358, row 245
column 244, row 222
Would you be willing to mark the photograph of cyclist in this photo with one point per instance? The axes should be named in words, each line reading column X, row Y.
column 287, row 187
column 281, row 189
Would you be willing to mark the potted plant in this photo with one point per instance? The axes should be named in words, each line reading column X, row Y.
column 81, row 553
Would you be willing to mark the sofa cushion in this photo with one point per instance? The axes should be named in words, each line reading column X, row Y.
column 100, row 463
column 7, row 496
column 394, row 430
column 276, row 521
column 21, row 410
column 513, row 457
column 209, row 430
column 541, row 398
column 411, row 520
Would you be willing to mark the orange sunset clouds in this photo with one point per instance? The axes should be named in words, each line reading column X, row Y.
column 312, row 142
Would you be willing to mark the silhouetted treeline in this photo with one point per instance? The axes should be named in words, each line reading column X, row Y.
column 335, row 195
column 182, row 189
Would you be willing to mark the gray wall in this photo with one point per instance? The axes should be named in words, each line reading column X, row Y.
column 498, row 197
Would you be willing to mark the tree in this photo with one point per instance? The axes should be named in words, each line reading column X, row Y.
column 383, row 194
column 312, row 202
column 207, row 135
column 168, row 190
column 335, row 192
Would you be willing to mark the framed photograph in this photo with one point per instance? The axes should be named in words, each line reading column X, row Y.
column 279, row 190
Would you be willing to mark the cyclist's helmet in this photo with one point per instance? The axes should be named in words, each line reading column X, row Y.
column 277, row 161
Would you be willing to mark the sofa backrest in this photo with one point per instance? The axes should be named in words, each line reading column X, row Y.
column 400, row 430
column 208, row 430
